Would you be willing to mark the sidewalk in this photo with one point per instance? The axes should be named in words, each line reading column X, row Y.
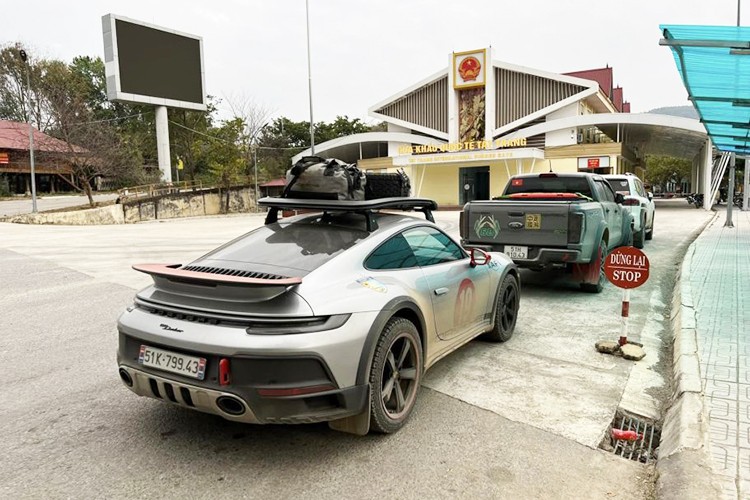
column 719, row 282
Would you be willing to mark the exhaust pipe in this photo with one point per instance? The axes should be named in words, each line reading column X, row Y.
column 126, row 378
column 230, row 405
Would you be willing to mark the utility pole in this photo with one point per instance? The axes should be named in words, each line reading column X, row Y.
column 309, row 80
column 24, row 57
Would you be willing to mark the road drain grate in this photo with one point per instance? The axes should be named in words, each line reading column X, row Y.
column 645, row 444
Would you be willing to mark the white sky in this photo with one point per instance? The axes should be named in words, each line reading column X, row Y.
column 365, row 51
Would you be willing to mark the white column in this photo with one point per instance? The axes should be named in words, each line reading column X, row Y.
column 162, row 143
column 452, row 104
column 706, row 185
column 490, row 105
column 746, row 188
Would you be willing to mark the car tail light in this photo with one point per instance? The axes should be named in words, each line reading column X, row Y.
column 575, row 227
column 225, row 373
column 631, row 202
column 547, row 174
column 294, row 391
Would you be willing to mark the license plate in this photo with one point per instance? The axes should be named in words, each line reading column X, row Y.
column 516, row 252
column 533, row 221
column 189, row 366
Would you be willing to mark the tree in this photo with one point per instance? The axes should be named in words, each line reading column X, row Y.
column 93, row 147
column 663, row 169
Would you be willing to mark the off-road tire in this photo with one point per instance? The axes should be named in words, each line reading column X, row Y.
column 506, row 311
column 640, row 236
column 650, row 232
column 396, row 371
column 601, row 256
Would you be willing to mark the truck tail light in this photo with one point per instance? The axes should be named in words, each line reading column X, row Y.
column 575, row 227
column 631, row 202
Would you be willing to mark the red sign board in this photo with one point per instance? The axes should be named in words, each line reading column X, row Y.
column 4, row 158
column 626, row 267
column 592, row 163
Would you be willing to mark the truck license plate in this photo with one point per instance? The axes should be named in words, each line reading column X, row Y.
column 189, row 366
column 533, row 221
column 516, row 252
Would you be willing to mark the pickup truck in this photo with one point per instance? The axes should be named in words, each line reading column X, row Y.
column 551, row 220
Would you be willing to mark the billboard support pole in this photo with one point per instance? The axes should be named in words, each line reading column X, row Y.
column 162, row 143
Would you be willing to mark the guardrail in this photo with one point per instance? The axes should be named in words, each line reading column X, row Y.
column 152, row 190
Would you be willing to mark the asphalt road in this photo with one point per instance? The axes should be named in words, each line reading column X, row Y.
column 24, row 205
column 517, row 420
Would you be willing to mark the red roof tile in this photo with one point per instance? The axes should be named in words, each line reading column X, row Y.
column 603, row 76
column 274, row 183
column 15, row 135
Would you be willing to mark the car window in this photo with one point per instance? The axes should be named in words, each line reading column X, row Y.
column 640, row 189
column 395, row 253
column 620, row 185
column 556, row 184
column 606, row 193
column 431, row 246
column 302, row 245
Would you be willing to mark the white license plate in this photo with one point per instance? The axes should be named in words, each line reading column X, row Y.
column 516, row 252
column 189, row 366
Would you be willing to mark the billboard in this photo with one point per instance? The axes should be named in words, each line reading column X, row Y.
column 148, row 64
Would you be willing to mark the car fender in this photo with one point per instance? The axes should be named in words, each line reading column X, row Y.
column 509, row 268
column 388, row 311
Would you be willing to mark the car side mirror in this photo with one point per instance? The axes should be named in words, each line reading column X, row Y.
column 619, row 198
column 479, row 257
column 650, row 196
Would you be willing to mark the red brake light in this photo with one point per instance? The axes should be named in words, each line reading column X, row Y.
column 547, row 174
column 631, row 202
column 516, row 182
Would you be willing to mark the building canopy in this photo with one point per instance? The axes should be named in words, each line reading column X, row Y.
column 714, row 63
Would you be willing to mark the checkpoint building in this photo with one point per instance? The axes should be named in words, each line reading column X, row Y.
column 462, row 132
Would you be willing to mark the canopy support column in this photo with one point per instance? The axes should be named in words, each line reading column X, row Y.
column 706, row 184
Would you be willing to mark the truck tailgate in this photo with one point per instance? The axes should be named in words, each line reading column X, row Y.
column 519, row 223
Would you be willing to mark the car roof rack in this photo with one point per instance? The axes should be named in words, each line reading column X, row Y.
column 365, row 207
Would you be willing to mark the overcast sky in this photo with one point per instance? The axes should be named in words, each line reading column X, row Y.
column 366, row 51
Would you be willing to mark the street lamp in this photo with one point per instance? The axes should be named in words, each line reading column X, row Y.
column 22, row 54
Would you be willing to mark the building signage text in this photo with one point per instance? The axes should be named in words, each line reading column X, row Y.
column 452, row 147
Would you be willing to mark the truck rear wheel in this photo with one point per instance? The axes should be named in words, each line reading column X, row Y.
column 594, row 277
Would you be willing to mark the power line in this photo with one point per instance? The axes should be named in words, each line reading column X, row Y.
column 230, row 142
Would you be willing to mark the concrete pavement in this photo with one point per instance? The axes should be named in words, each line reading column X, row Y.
column 23, row 205
column 712, row 367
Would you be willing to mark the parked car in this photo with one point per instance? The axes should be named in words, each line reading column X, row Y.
column 332, row 316
column 639, row 202
column 548, row 220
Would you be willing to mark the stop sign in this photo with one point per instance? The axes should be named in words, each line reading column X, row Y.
column 626, row 267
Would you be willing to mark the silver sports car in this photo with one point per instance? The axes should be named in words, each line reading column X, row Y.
column 328, row 316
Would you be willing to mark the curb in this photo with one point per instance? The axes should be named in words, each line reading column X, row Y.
column 684, row 464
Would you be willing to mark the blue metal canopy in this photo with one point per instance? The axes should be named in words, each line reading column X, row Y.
column 714, row 63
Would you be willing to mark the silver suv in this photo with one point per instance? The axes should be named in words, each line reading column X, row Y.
column 640, row 203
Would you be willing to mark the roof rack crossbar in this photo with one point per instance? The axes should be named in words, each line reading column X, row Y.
column 365, row 208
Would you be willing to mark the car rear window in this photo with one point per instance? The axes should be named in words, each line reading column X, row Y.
column 559, row 184
column 304, row 245
column 620, row 185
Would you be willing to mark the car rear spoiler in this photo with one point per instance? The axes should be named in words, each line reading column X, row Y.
column 365, row 207
column 174, row 273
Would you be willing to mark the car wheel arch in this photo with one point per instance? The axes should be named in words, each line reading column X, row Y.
column 403, row 307
column 510, row 271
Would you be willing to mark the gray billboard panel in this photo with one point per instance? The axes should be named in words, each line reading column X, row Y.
column 148, row 64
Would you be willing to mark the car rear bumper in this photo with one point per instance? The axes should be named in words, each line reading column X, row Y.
column 272, row 378
column 244, row 404
column 541, row 257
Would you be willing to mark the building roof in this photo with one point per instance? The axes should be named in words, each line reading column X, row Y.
column 274, row 183
column 15, row 135
column 713, row 64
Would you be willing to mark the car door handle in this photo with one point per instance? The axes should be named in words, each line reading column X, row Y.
column 441, row 291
